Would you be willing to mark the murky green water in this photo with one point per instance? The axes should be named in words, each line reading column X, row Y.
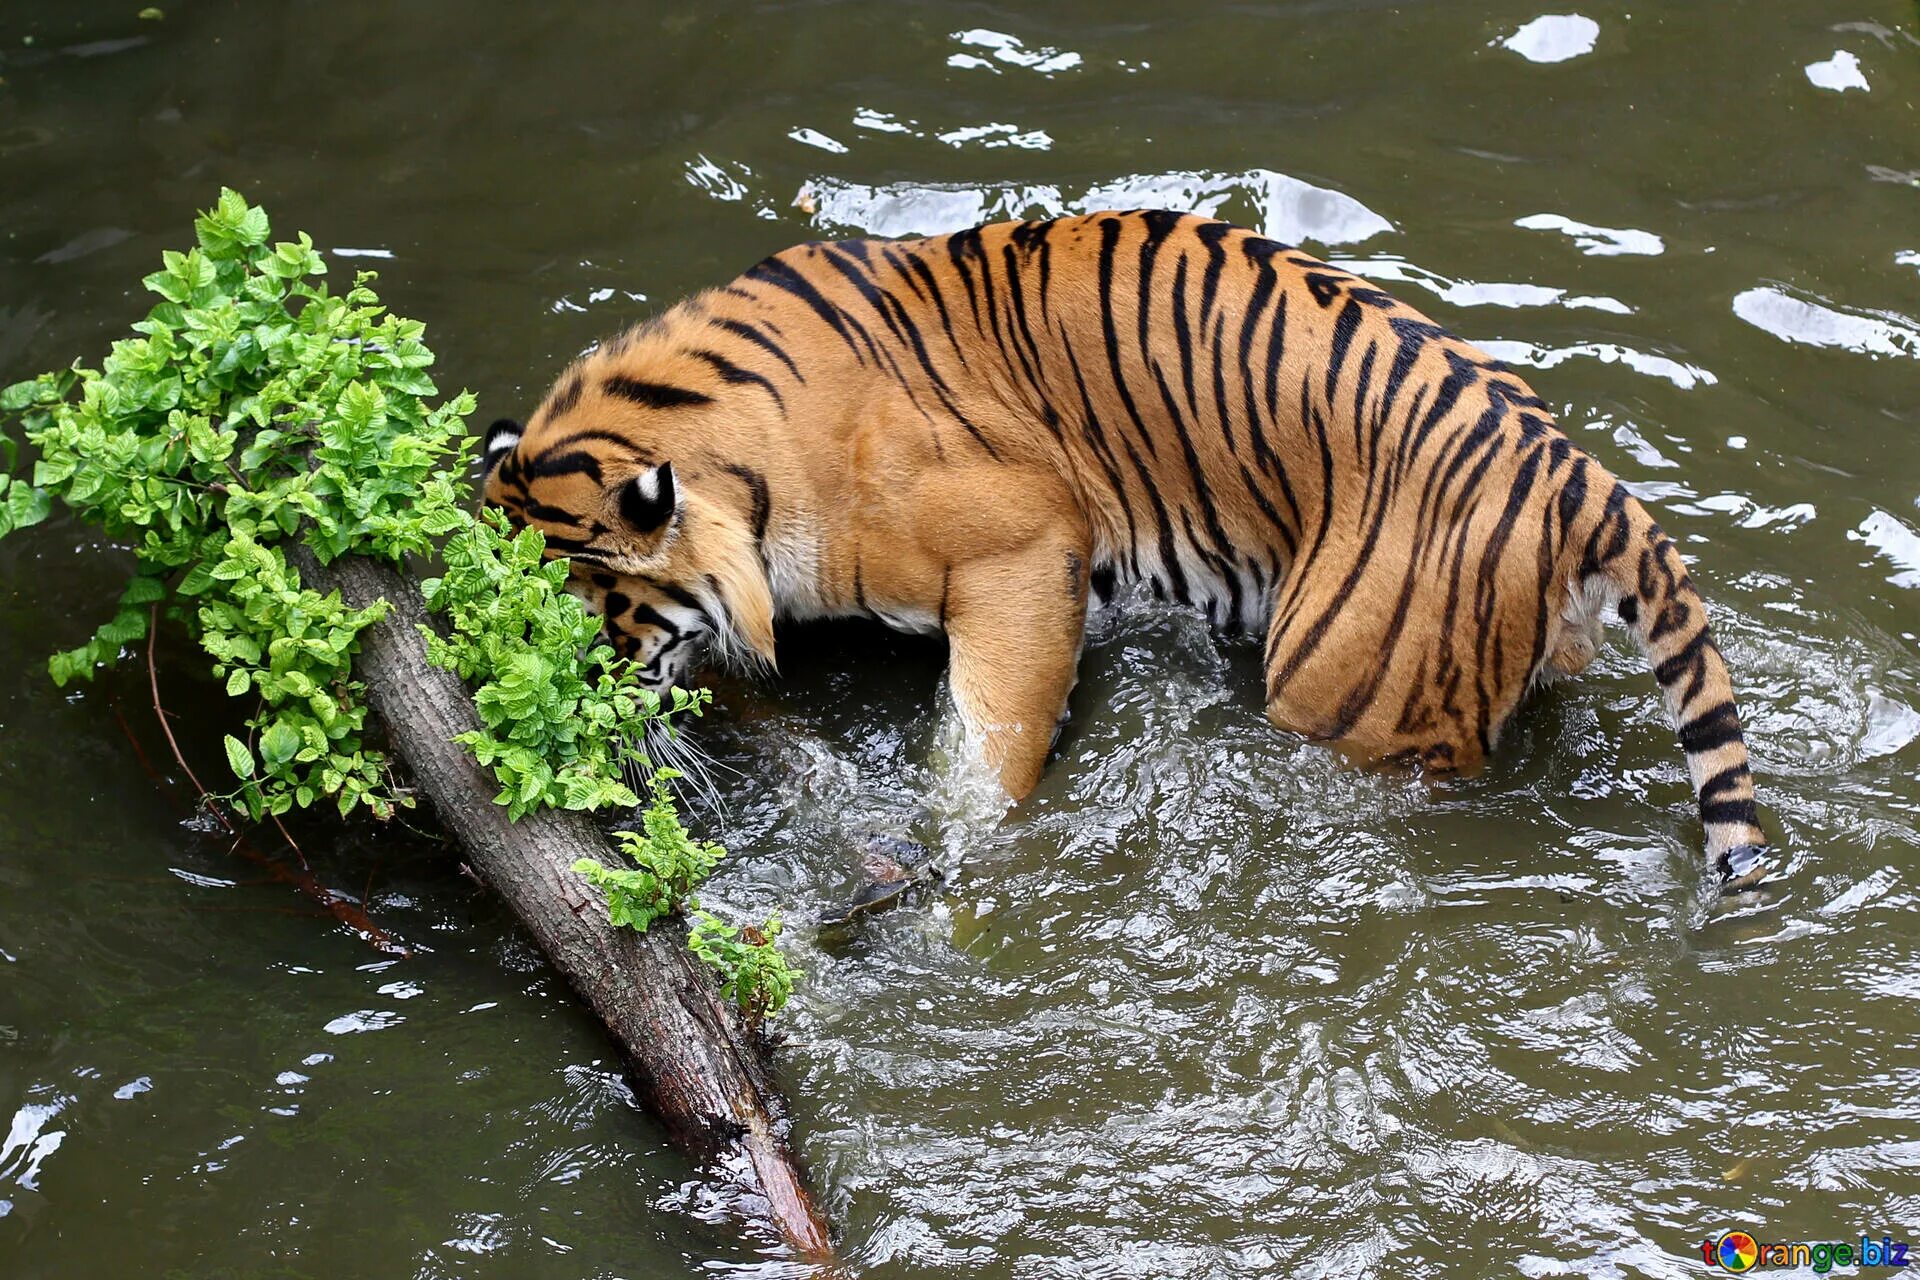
column 1213, row 1004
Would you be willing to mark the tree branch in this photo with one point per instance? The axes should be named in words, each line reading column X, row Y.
column 696, row 1065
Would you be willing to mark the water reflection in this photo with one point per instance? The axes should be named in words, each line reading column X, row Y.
column 1803, row 318
column 1003, row 48
column 1536, row 356
column 30, row 1141
column 1472, row 293
column 1554, row 37
column 1599, row 242
column 1281, row 206
column 1839, row 73
column 1896, row 540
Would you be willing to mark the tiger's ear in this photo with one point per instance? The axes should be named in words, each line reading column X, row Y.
column 649, row 500
column 501, row 437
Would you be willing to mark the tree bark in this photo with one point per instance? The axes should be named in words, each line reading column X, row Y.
column 695, row 1064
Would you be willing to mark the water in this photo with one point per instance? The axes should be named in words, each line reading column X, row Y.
column 1212, row 1003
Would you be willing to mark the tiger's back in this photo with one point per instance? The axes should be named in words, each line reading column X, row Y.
column 976, row 432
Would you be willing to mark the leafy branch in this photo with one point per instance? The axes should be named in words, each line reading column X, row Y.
column 253, row 408
column 560, row 710
column 753, row 972
column 669, row 864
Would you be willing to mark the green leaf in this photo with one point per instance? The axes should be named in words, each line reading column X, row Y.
column 239, row 759
column 238, row 681
column 279, row 744
column 22, row 505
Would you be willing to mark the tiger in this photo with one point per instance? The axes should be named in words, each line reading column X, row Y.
column 988, row 433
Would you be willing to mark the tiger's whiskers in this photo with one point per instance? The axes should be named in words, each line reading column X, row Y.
column 662, row 745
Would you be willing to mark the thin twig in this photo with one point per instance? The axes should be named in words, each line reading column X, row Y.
column 340, row 907
column 160, row 714
column 292, row 844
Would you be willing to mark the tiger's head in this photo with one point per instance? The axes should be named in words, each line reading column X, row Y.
column 625, row 477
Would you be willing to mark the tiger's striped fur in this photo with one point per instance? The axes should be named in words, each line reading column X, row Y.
column 976, row 433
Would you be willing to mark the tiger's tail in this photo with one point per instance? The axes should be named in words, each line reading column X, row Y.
column 1636, row 562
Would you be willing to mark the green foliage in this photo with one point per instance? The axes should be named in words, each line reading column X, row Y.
column 670, row 864
column 20, row 504
column 252, row 406
column 753, row 973
column 560, row 709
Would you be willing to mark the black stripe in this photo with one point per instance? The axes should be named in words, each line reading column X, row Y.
column 1730, row 778
column 1221, row 408
column 654, row 395
column 1183, row 334
column 1211, row 234
column 1688, row 661
column 650, row 616
column 558, row 515
column 566, row 398
column 890, row 309
column 551, row 464
column 733, row 373
column 679, row 595
column 1195, row 472
column 1035, row 373
column 761, row 340
column 1276, row 351
column 1741, row 811
column 762, row 497
column 1263, row 289
column 1109, row 240
column 925, row 273
column 1344, row 328
column 958, row 246
column 783, row 277
column 1716, row 727
column 976, row 250
column 1102, row 452
column 1613, row 522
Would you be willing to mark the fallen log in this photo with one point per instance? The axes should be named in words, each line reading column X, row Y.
column 694, row 1063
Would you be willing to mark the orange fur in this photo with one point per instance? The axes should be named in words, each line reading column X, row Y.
column 969, row 433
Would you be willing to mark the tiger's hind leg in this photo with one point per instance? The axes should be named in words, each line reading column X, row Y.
column 1412, row 653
